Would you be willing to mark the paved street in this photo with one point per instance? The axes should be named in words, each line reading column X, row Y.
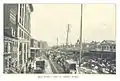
column 48, row 69
column 54, row 67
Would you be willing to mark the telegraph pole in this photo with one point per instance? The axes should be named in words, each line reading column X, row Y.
column 57, row 41
column 81, row 35
column 67, row 35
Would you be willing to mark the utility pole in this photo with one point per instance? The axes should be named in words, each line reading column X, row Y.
column 81, row 35
column 67, row 35
column 57, row 41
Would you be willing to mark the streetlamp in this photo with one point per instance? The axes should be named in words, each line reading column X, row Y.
column 81, row 35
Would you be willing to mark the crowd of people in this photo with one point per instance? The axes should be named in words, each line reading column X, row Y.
column 102, row 65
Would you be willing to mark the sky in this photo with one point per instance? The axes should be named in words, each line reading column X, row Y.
column 49, row 21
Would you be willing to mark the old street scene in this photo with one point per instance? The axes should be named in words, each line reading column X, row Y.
column 59, row 39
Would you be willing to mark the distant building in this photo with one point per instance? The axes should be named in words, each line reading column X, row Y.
column 105, row 45
column 43, row 45
column 85, row 46
column 17, row 34
column 34, row 48
column 93, row 46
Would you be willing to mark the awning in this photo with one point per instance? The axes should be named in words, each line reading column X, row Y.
column 35, row 48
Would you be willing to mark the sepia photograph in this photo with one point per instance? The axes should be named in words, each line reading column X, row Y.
column 59, row 38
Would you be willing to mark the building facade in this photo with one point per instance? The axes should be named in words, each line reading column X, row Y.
column 34, row 48
column 10, row 37
column 17, row 33
column 24, row 34
column 43, row 45
column 105, row 45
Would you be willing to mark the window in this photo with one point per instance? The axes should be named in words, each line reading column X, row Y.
column 12, row 16
column 5, row 47
column 5, row 63
column 13, row 32
column 9, row 47
column 25, row 36
column 28, row 38
column 114, row 47
column 22, row 34
column 103, row 47
column 20, row 47
column 25, row 52
column 28, row 21
column 107, row 48
column 10, row 62
column 16, row 44
column 13, row 43
column 20, row 55
column 20, row 13
column 24, row 47
column 19, row 32
column 110, row 47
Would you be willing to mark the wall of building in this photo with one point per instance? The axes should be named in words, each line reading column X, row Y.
column 10, row 17
column 10, row 35
column 17, row 29
column 35, row 48
column 24, row 12
column 105, row 45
